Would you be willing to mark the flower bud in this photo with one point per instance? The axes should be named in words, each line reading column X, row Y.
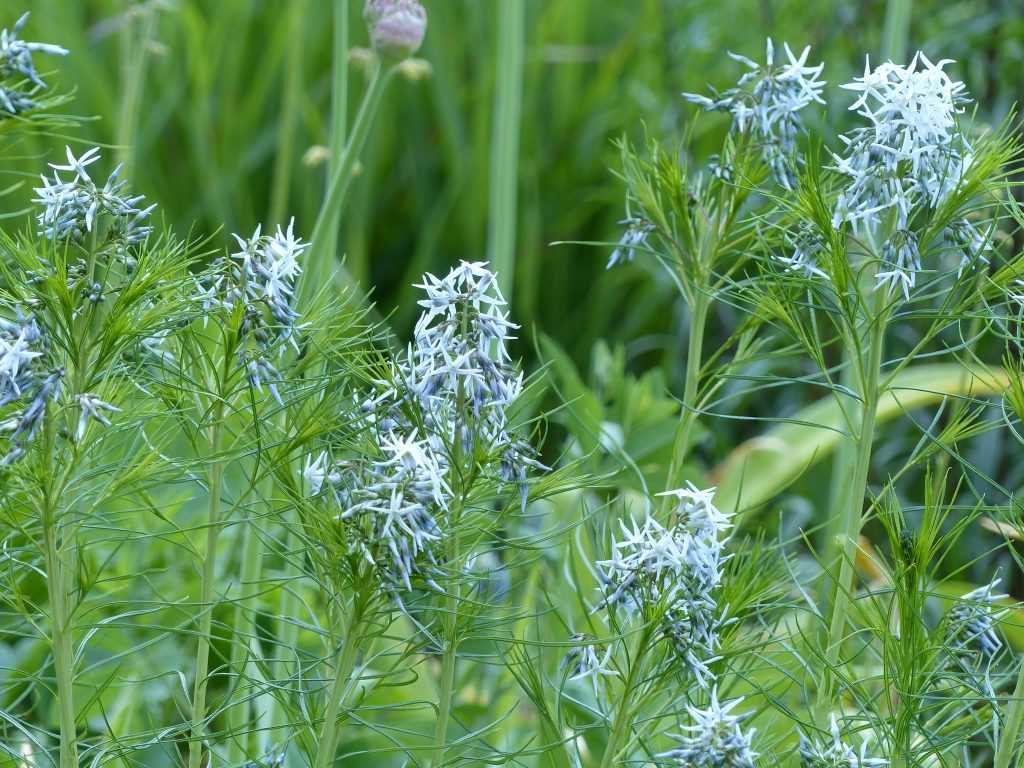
column 396, row 27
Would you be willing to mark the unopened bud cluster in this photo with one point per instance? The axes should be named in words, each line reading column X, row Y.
column 397, row 27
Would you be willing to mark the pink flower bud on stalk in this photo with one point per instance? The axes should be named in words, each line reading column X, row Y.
column 397, row 27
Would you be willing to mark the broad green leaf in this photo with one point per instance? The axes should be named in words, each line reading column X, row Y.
column 766, row 465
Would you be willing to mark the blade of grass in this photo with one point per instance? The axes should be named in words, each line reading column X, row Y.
column 135, row 41
column 896, row 31
column 505, row 148
column 289, row 114
column 339, row 113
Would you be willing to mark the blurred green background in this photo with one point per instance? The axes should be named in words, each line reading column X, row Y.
column 220, row 111
column 215, row 105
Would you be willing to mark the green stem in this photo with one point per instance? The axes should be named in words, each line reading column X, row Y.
column 624, row 712
column 694, row 354
column 288, row 636
column 1014, row 719
column 321, row 258
column 338, row 691
column 339, row 114
column 446, row 692
column 195, row 747
column 446, row 686
column 290, row 104
column 63, row 649
column 851, row 519
column 449, row 656
column 842, row 464
column 339, row 86
column 505, row 143
column 244, row 642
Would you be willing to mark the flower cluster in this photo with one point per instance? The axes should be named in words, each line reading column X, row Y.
column 910, row 156
column 767, row 102
column 971, row 622
column 804, row 247
column 716, row 739
column 391, row 504
column 584, row 662
column 73, row 208
column 260, row 279
column 446, row 405
column 18, row 76
column 25, row 380
column 835, row 754
column 460, row 372
column 634, row 237
column 680, row 566
column 91, row 407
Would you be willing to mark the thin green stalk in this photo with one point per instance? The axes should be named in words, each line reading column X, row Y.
column 290, row 101
column 843, row 469
column 339, row 114
column 505, row 143
column 339, row 87
column 842, row 464
column 624, row 713
column 1014, row 718
column 321, row 258
column 338, row 691
column 288, row 636
column 449, row 656
column 897, row 21
column 694, row 355
column 243, row 642
column 852, row 515
column 63, row 650
column 446, row 692
column 195, row 747
column 896, row 30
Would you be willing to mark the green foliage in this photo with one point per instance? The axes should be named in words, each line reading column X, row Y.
column 189, row 573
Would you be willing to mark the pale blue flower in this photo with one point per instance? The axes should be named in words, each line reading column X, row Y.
column 911, row 156
column 16, row 65
column 836, row 753
column 71, row 207
column 447, row 399
column 767, row 102
column 716, row 739
column 680, row 566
